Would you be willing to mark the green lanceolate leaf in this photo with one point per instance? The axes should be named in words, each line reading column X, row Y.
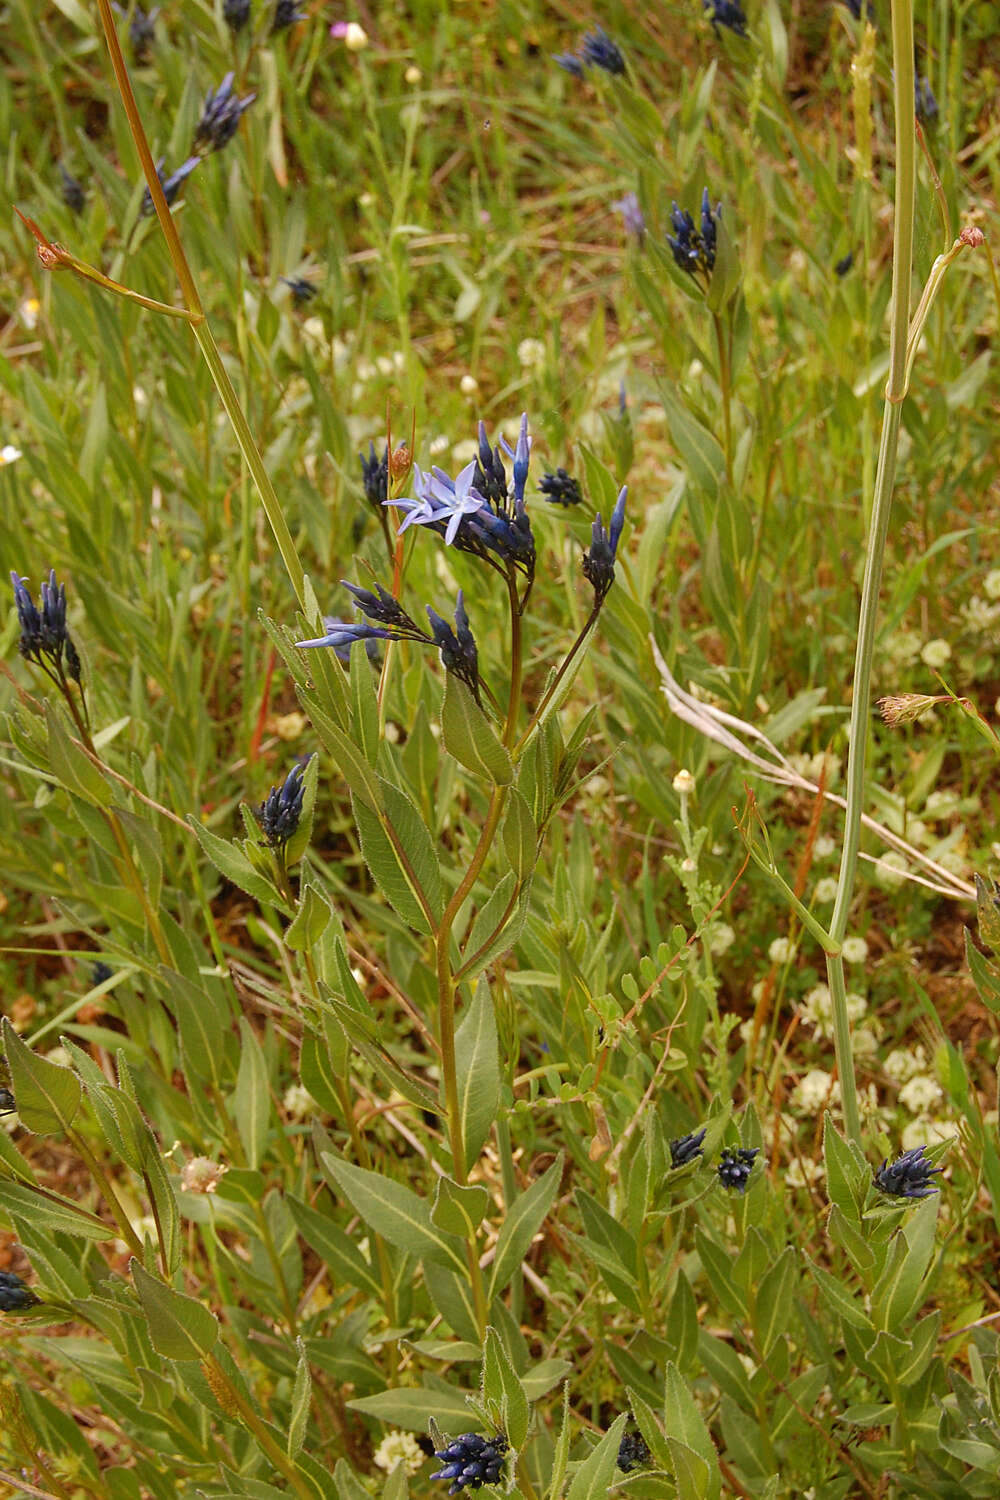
column 692, row 1452
column 301, row 1394
column 396, row 1213
column 46, row 1211
column 334, row 1247
column 520, row 836
column 592, row 1480
column 459, row 1210
column 469, row 736
column 401, row 856
column 898, row 1290
column 252, row 1099
column 230, row 861
column 503, row 1393
column 477, row 1067
column 71, row 763
column 411, row 1407
column 525, row 1217
column 48, row 1096
column 179, row 1327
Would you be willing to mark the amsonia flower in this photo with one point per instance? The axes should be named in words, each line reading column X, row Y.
column 728, row 13
column 686, row 1148
column 279, row 813
column 14, row 1295
column 171, row 185
column 599, row 561
column 471, row 1461
column 694, row 248
column 735, row 1166
column 43, row 631
column 909, row 1176
column 220, row 116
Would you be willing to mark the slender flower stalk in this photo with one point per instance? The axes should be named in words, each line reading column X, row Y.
column 902, row 259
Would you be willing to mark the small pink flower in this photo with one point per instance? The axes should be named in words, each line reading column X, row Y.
column 338, row 30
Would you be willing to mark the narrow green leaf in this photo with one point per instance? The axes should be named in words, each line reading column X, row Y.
column 399, row 851
column 72, row 765
column 395, row 1212
column 685, row 1423
column 898, row 1290
column 311, row 919
column 230, row 861
column 47, row 1212
column 775, row 1301
column 301, row 1394
column 839, row 1299
column 364, row 704
column 843, row 1182
column 593, row 1479
column 524, row 1219
column 334, row 1247
column 700, row 451
column 560, row 1457
column 179, row 1327
column 520, row 836
column 48, row 1096
column 503, row 1393
column 477, row 1065
column 252, row 1098
column 469, row 736
column 451, row 1296
column 411, row 1407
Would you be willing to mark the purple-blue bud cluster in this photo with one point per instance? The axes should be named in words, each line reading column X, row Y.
column 236, row 14
column 686, row 1148
column 561, row 488
column 597, row 50
column 471, row 1461
column 43, row 631
column 14, row 1295
column 735, row 1166
column 286, row 13
column 171, row 185
column 909, row 1176
column 728, row 13
column 279, row 813
column 301, row 289
column 633, row 1452
column 375, row 476
column 599, row 561
column 220, row 116
column 694, row 248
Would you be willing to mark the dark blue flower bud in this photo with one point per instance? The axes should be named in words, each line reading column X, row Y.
column 220, row 116
column 301, row 289
column 100, row 973
column 375, row 476
column 72, row 191
column 694, row 249
column 142, row 32
column 735, row 1166
column 909, row 1176
column 14, row 1295
column 599, row 51
column 686, row 1148
column 286, row 13
column 633, row 1452
column 279, row 813
column 471, row 1461
column 728, row 13
column 599, row 562
column 380, row 606
column 171, row 185
column 8, row 1104
column 458, row 647
column 44, row 632
column 561, row 488
column 236, row 13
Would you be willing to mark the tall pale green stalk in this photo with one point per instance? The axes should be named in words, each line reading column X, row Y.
column 885, row 473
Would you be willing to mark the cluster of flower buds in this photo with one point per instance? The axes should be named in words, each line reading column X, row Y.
column 220, row 117
column 599, row 562
column 14, row 1295
column 73, row 194
column 735, row 1166
column 597, row 50
column 44, row 636
column 909, row 1176
column 286, row 13
column 457, row 647
column 279, row 813
column 171, row 185
column 694, row 248
column 633, row 1452
column 471, row 1461
column 686, row 1148
column 561, row 488
column 728, row 13
column 375, row 476
column 236, row 14
column 301, row 289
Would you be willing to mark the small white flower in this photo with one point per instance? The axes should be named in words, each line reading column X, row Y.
column 438, row 444
column 28, row 312
column 530, row 354
column 991, row 584
column 780, row 951
column 824, row 846
column 864, row 1043
column 817, row 1008
column 468, row 385
column 756, row 995
column 399, row 1448
column 889, row 870
column 857, row 1006
column 977, row 615
column 722, row 939
column 297, row 1101
column 688, row 866
column 814, row 1090
column 413, row 74
column 826, row 890
column 854, row 950
column 904, row 647
column 902, row 1065
column 920, row 1094
column 926, row 1133
column 9, row 455
column 803, row 1172
column 465, row 451
column 355, row 37
column 935, row 653
column 695, row 370
column 683, row 783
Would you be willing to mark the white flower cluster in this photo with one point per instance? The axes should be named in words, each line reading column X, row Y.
column 817, row 1009
column 813, row 1091
column 398, row 1448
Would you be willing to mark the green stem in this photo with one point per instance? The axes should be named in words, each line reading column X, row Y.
column 902, row 258
column 121, row 1218
column 280, row 1460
